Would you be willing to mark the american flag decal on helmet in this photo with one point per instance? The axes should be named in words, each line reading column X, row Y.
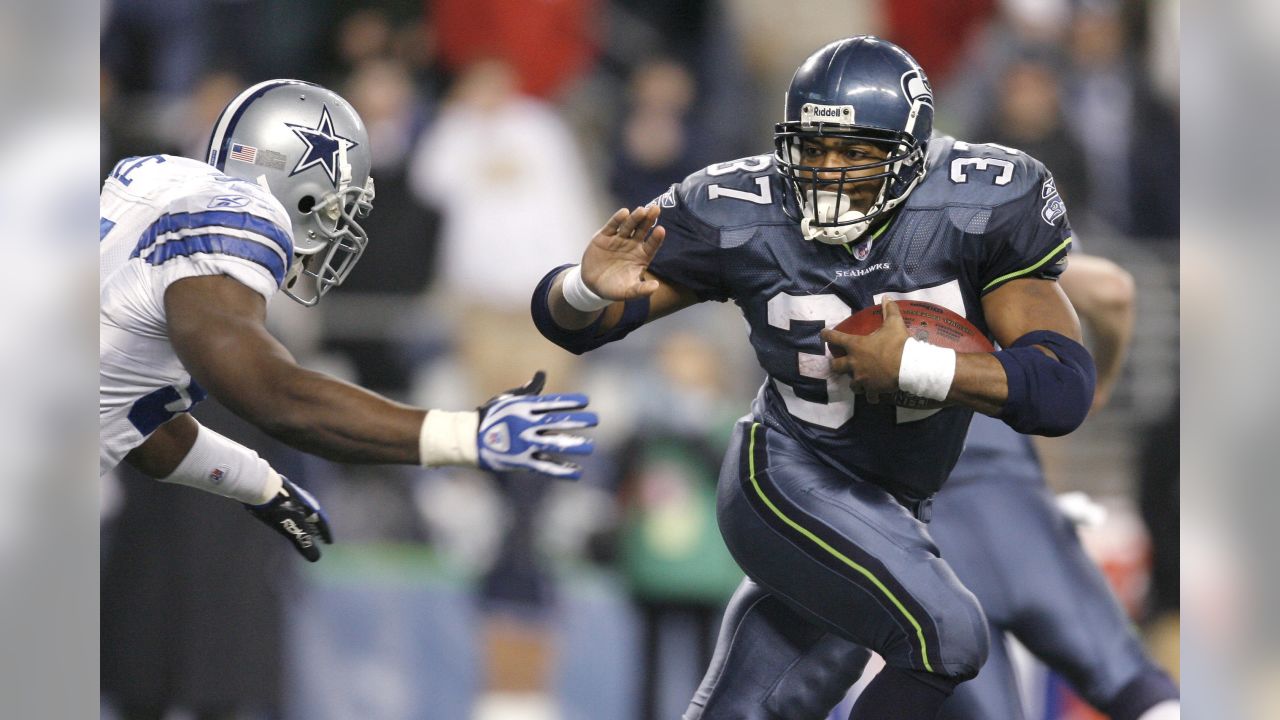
column 243, row 153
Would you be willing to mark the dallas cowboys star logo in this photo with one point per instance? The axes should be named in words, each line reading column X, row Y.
column 322, row 146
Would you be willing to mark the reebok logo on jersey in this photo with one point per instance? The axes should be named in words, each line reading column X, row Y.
column 229, row 201
column 668, row 198
column 1053, row 208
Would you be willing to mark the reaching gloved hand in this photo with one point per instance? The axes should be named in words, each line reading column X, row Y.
column 519, row 429
column 295, row 514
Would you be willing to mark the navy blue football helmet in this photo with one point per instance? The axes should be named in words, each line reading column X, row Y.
column 863, row 89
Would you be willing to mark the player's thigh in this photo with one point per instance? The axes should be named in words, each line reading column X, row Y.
column 846, row 555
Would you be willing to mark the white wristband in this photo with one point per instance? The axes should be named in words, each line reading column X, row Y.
column 449, row 438
column 224, row 467
column 926, row 370
column 578, row 295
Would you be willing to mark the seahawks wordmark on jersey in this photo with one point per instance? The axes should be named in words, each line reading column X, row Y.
column 165, row 218
column 983, row 215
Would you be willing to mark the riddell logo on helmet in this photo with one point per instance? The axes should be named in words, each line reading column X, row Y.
column 812, row 113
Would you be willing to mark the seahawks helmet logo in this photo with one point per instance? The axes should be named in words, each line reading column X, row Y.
column 916, row 87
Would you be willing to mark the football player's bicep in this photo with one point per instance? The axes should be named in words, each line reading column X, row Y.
column 1021, row 306
column 217, row 328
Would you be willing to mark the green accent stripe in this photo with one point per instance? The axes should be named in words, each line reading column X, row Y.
column 751, row 466
column 1024, row 271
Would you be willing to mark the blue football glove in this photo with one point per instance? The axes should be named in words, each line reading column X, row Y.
column 519, row 429
column 295, row 514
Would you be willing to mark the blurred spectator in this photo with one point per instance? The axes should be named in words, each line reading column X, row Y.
column 549, row 44
column 936, row 31
column 200, row 111
column 656, row 145
column 1028, row 116
column 1021, row 27
column 670, row 552
column 509, row 180
column 1130, row 141
column 702, row 37
column 401, row 259
column 156, row 46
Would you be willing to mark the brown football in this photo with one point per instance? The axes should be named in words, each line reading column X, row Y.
column 926, row 322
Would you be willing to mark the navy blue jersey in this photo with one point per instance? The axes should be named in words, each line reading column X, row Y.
column 983, row 215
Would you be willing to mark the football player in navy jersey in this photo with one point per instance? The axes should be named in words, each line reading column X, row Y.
column 826, row 487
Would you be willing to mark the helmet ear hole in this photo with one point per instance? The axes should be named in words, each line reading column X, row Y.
column 305, row 203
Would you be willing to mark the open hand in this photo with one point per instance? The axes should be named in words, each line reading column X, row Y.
column 615, row 262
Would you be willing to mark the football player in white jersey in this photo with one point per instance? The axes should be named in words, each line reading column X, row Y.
column 190, row 254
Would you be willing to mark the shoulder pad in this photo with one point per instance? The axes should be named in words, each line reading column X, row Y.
column 977, row 175
column 735, row 194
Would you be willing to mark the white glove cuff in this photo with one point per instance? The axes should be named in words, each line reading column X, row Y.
column 224, row 467
column 578, row 295
column 449, row 438
column 926, row 370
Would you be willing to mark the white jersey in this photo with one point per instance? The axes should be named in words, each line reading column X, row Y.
column 165, row 218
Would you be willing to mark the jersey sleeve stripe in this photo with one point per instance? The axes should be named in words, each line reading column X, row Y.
column 1017, row 273
column 221, row 245
column 173, row 222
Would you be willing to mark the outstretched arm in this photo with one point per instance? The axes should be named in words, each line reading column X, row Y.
column 217, row 327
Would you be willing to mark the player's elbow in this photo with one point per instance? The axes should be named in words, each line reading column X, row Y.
column 1047, row 395
column 1116, row 292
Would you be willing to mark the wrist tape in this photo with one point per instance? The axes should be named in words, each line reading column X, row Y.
column 578, row 295
column 926, row 370
column 224, row 467
column 449, row 438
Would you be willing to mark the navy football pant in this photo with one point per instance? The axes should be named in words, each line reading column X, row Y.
column 840, row 555
column 1035, row 581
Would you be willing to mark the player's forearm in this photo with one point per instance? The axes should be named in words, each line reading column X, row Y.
column 1104, row 296
column 980, row 383
column 336, row 420
column 1110, row 332
column 566, row 315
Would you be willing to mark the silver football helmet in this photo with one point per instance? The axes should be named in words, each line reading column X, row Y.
column 307, row 146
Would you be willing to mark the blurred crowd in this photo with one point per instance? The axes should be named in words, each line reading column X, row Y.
column 503, row 133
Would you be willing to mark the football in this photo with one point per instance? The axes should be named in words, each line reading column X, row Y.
column 925, row 322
